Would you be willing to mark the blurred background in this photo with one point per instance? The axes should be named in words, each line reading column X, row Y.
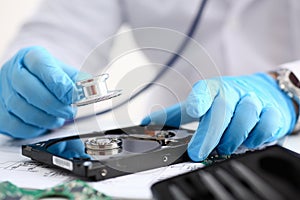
column 12, row 15
column 14, row 12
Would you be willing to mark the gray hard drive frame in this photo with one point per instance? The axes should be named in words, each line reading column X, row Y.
column 171, row 150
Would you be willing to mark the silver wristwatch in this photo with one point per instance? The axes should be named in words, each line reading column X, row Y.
column 290, row 84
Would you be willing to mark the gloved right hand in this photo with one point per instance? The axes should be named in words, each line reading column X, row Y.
column 36, row 91
column 239, row 111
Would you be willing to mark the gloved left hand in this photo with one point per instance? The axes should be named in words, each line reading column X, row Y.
column 232, row 111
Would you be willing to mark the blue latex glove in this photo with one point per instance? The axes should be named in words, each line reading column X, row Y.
column 69, row 149
column 232, row 111
column 35, row 93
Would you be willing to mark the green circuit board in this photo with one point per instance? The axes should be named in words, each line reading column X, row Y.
column 73, row 190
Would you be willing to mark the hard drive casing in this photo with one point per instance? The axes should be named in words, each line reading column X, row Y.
column 141, row 148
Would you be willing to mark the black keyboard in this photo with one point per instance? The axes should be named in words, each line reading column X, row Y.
column 269, row 174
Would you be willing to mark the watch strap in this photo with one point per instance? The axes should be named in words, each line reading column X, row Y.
column 290, row 84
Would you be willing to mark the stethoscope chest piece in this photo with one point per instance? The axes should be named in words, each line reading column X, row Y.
column 95, row 90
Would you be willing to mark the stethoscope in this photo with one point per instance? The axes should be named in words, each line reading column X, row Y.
column 95, row 89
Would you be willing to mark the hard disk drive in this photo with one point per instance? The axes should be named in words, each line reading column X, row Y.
column 112, row 153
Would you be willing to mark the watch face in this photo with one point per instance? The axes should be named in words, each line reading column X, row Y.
column 294, row 80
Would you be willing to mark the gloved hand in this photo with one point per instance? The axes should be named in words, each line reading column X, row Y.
column 36, row 91
column 232, row 111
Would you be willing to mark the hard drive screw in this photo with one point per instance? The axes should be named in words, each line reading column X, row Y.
column 103, row 172
column 87, row 163
column 165, row 158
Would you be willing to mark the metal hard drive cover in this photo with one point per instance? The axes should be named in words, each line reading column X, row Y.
column 112, row 153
